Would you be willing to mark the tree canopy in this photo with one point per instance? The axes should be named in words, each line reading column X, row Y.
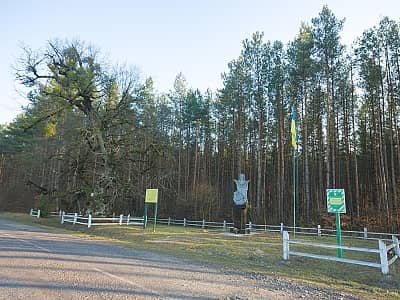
column 95, row 136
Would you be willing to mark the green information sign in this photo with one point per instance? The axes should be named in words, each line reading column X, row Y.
column 335, row 200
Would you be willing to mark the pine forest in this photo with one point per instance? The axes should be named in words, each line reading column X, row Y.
column 95, row 136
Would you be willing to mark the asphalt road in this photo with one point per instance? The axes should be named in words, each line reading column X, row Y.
column 37, row 264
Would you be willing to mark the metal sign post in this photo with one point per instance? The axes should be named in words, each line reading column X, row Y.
column 338, row 236
column 335, row 200
column 151, row 198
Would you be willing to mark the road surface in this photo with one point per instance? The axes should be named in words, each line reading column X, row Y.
column 38, row 264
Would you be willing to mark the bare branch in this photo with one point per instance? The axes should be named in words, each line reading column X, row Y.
column 45, row 117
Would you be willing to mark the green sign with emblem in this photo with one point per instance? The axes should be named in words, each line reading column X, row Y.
column 336, row 203
column 335, row 200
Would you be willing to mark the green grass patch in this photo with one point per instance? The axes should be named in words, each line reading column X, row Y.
column 260, row 253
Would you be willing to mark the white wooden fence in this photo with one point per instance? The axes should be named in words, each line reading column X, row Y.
column 55, row 213
column 194, row 223
column 382, row 250
column 317, row 230
column 225, row 226
column 90, row 221
column 35, row 213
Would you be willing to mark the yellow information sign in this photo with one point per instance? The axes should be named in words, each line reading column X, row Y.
column 336, row 201
column 151, row 196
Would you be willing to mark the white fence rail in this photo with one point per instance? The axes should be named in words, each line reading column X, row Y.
column 194, row 223
column 35, row 213
column 317, row 231
column 225, row 226
column 90, row 221
column 382, row 250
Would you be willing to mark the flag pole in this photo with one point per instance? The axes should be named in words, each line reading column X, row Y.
column 294, row 145
column 294, row 192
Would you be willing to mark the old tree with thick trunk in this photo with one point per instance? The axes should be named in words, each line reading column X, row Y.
column 68, row 76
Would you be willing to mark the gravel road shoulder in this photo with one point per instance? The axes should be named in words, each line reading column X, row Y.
column 39, row 264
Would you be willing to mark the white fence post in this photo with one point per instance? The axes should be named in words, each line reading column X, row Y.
column 31, row 212
column 62, row 218
column 184, row 222
column 250, row 226
column 89, row 224
column 75, row 218
column 365, row 233
column 319, row 230
column 120, row 219
column 59, row 213
column 265, row 227
column 281, row 228
column 38, row 214
column 383, row 256
column 396, row 245
column 285, row 245
column 224, row 225
column 128, row 219
column 169, row 221
column 203, row 225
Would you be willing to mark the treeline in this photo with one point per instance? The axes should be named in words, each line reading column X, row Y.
column 94, row 137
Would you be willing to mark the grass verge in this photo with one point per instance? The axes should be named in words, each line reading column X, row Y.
column 259, row 253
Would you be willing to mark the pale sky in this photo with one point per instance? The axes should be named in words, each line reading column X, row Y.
column 165, row 37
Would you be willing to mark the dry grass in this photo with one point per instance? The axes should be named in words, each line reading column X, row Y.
column 260, row 252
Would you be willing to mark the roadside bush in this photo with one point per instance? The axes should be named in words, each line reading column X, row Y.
column 44, row 205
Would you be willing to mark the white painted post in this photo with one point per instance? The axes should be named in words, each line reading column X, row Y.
column 383, row 256
column 59, row 213
column 281, row 228
column 89, row 224
column 169, row 221
column 31, row 212
column 184, row 222
column 365, row 233
column 250, row 226
column 128, row 219
column 120, row 219
column 224, row 225
column 396, row 245
column 203, row 225
column 265, row 227
column 62, row 218
column 285, row 245
column 319, row 230
column 38, row 214
column 75, row 218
